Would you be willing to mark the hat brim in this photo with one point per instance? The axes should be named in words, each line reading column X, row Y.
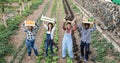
column 87, row 22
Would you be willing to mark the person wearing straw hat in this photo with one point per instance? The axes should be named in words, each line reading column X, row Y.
column 49, row 36
column 30, row 39
column 67, row 39
column 86, row 29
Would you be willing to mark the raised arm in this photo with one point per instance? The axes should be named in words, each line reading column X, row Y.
column 74, row 24
column 23, row 27
column 36, row 27
column 45, row 25
column 54, row 27
column 80, row 27
column 64, row 25
column 94, row 28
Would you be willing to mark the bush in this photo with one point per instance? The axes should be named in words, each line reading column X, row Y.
column 6, row 47
column 2, row 60
column 1, row 27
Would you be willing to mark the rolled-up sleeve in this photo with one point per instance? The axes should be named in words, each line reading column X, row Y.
column 74, row 27
column 36, row 27
column 54, row 27
column 94, row 28
column 80, row 27
column 24, row 29
column 45, row 26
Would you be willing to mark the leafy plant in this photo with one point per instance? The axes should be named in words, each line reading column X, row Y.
column 5, row 33
column 91, row 19
column 69, row 60
column 1, row 27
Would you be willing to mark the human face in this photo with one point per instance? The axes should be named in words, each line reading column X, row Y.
column 68, row 26
column 50, row 26
column 87, row 25
column 30, row 27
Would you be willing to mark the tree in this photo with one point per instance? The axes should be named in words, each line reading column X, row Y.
column 3, row 5
column 29, row 3
column 22, row 6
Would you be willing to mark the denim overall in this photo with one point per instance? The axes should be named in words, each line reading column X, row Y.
column 67, row 44
column 47, row 43
column 30, row 44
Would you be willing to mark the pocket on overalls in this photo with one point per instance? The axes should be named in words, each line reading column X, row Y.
column 47, row 41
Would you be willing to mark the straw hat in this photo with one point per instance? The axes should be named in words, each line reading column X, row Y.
column 85, row 21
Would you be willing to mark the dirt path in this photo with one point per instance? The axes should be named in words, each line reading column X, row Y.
column 92, row 55
column 78, row 38
column 92, row 50
column 18, row 39
column 39, row 37
column 61, row 32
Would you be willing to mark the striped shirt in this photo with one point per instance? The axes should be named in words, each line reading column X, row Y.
column 86, row 33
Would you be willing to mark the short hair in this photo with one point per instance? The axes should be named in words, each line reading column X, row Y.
column 68, row 23
column 88, row 24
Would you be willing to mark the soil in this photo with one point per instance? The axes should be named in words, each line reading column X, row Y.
column 39, row 37
column 20, row 35
column 61, row 33
column 93, row 52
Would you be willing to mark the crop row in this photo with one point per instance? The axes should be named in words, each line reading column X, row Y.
column 50, row 59
column 6, row 33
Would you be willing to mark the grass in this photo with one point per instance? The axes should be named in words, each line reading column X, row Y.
column 49, row 59
column 74, row 7
column 101, row 46
column 8, row 32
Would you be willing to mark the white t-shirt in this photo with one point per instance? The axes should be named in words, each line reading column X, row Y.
column 50, row 32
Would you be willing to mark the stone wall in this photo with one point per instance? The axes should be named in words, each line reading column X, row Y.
column 108, row 13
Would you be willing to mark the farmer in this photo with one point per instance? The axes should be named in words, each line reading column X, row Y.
column 49, row 37
column 67, row 39
column 85, row 38
column 30, row 39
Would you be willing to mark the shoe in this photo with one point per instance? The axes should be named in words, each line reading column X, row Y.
column 85, row 61
column 63, row 57
column 81, row 56
column 29, row 57
column 36, row 57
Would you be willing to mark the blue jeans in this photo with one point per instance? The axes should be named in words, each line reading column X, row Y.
column 67, row 45
column 87, row 48
column 48, row 43
column 30, row 45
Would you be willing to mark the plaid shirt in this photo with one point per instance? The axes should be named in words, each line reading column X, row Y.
column 30, row 34
column 86, row 33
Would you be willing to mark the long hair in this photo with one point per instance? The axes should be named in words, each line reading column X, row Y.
column 51, row 26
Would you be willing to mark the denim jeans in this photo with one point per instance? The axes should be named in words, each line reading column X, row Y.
column 67, row 45
column 48, row 42
column 87, row 48
column 30, row 45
